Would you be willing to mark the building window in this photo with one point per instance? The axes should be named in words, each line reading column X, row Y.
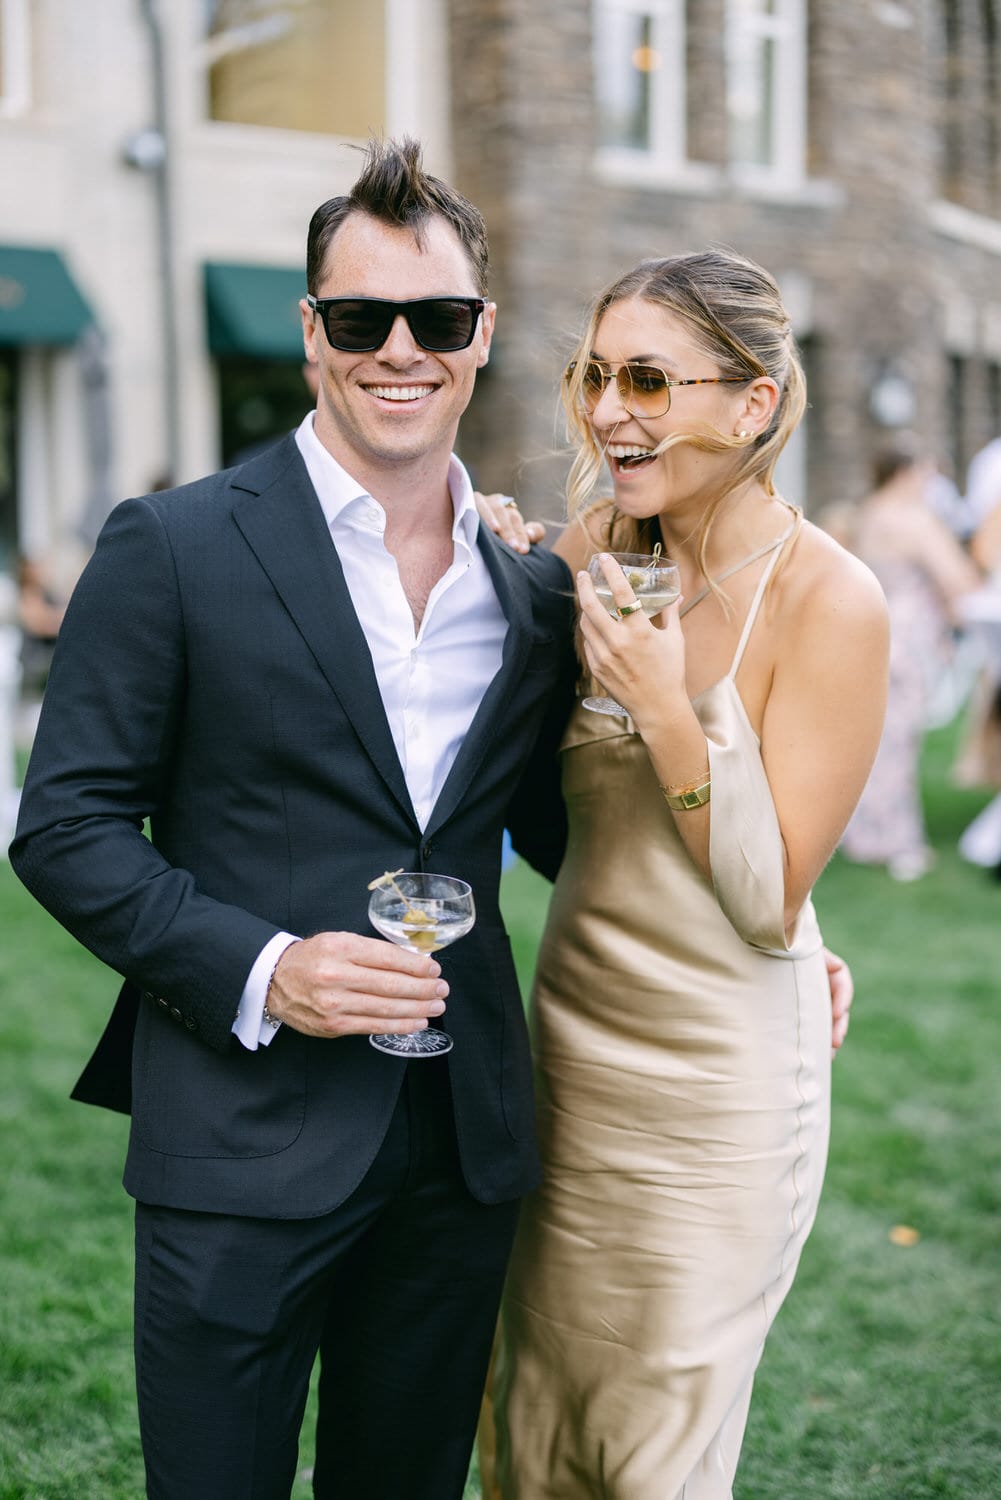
column 797, row 459
column 640, row 70
column 994, row 396
column 641, row 50
column 766, row 88
column 260, row 400
column 952, row 102
column 992, row 99
column 15, row 57
column 315, row 65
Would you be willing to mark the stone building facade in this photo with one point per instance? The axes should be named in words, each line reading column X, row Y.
column 852, row 148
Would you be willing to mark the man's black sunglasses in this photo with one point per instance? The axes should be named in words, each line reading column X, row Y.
column 359, row 325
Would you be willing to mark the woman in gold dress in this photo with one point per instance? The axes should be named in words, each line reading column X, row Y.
column 681, row 1013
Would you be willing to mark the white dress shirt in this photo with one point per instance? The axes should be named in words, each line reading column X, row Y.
column 432, row 677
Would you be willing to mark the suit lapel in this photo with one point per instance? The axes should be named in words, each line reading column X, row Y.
column 277, row 510
column 510, row 579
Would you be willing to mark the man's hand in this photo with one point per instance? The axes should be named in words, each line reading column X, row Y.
column 839, row 977
column 501, row 514
column 337, row 983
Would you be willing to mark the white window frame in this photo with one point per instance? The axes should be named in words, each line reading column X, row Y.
column 665, row 157
column 15, row 71
column 785, row 168
column 416, row 50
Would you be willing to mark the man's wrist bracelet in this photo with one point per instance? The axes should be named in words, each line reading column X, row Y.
column 272, row 1021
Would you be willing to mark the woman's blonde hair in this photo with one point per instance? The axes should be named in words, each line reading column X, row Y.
column 735, row 310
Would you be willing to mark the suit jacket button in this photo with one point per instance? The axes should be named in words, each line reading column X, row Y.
column 191, row 1023
column 175, row 1013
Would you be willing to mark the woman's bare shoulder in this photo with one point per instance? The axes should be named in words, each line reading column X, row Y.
column 584, row 535
column 821, row 578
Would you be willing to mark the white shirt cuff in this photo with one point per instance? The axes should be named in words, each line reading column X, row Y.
column 250, row 1026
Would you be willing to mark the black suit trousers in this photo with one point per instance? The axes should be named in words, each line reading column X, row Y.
column 397, row 1290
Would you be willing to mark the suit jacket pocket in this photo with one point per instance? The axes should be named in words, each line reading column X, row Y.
column 188, row 1100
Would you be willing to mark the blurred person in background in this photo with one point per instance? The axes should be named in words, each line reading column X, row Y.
column 979, row 760
column 985, row 544
column 10, row 678
column 925, row 574
column 983, row 500
column 40, row 609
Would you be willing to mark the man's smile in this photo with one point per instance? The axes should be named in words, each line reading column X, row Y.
column 398, row 392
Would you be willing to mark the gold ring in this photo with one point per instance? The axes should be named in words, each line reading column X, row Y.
column 628, row 609
column 510, row 503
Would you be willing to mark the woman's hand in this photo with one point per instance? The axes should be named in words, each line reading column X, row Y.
column 639, row 664
column 839, row 977
column 501, row 514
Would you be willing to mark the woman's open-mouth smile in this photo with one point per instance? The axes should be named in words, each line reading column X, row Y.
column 628, row 458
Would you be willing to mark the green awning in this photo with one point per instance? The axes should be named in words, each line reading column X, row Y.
column 40, row 303
column 254, row 310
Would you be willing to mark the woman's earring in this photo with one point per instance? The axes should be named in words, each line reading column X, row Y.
column 743, row 433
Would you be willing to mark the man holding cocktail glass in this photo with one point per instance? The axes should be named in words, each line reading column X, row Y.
column 307, row 671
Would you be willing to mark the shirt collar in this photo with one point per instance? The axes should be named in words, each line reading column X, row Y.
column 336, row 490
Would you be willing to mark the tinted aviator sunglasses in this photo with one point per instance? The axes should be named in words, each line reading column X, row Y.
column 643, row 390
column 360, row 325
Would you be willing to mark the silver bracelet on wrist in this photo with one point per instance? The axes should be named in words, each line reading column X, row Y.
column 272, row 1021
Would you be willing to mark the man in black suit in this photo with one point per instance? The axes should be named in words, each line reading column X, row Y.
column 304, row 672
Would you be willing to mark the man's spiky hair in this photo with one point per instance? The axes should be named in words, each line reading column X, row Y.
column 394, row 188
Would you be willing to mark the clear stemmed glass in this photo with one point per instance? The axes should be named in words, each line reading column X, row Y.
column 656, row 583
column 422, row 913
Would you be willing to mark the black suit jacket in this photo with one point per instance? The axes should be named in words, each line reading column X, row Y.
column 212, row 677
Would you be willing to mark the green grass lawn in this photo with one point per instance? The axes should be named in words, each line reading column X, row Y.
column 882, row 1377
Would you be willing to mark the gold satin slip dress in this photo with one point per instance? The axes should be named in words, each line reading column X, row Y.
column 682, row 1050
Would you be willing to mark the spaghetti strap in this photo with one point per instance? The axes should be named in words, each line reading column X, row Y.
column 745, row 562
column 759, row 593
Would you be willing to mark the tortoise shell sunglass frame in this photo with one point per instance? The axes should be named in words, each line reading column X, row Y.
column 643, row 390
